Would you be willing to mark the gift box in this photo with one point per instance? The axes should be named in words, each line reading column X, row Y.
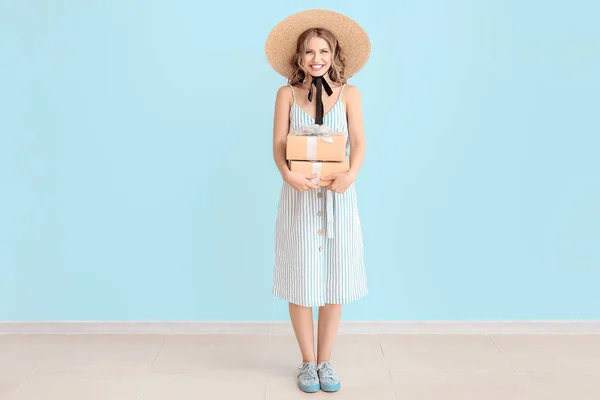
column 316, row 143
column 320, row 169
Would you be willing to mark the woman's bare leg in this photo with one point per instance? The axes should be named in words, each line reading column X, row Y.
column 329, row 322
column 302, row 322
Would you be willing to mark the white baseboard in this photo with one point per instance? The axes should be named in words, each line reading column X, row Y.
column 282, row 328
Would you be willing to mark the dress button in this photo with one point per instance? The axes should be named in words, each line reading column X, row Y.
column 320, row 249
column 320, row 231
column 319, row 195
column 320, row 213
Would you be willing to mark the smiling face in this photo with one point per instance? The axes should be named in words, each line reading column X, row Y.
column 317, row 56
column 318, row 53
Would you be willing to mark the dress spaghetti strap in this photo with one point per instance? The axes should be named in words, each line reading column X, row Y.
column 293, row 94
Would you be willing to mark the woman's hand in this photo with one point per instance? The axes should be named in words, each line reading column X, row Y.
column 341, row 182
column 300, row 181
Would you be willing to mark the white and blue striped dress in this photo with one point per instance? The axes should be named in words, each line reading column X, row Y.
column 318, row 237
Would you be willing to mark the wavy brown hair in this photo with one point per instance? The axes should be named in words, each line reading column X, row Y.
column 336, row 71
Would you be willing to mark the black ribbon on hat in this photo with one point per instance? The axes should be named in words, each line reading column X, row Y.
column 319, row 83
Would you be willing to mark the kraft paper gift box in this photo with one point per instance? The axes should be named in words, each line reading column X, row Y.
column 316, row 143
column 320, row 169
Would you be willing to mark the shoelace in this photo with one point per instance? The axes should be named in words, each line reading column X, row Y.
column 327, row 371
column 308, row 368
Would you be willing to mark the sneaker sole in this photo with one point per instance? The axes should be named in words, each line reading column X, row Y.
column 309, row 389
column 331, row 388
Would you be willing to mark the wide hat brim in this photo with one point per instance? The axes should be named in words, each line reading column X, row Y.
column 352, row 38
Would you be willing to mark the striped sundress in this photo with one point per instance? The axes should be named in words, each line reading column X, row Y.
column 318, row 237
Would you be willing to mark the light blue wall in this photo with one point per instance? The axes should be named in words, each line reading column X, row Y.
column 137, row 178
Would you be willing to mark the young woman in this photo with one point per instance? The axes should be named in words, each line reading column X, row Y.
column 318, row 240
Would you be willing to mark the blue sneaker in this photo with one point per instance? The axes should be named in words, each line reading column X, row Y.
column 308, row 381
column 329, row 382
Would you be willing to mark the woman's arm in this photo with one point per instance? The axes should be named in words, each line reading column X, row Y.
column 281, row 126
column 355, row 130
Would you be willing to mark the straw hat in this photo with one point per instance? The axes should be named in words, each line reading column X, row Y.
column 282, row 41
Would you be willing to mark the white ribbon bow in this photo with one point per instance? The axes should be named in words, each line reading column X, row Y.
column 315, row 130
